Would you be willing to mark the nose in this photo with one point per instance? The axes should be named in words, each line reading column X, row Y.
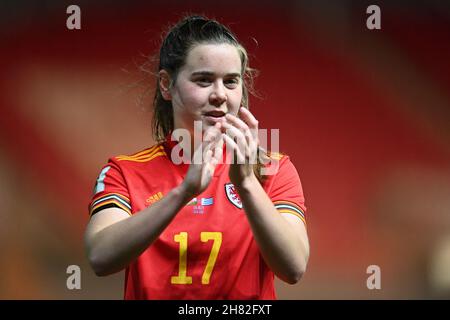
column 218, row 95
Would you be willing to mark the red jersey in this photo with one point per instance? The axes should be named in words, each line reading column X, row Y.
column 208, row 250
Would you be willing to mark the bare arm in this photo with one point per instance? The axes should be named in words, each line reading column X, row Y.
column 113, row 239
column 282, row 238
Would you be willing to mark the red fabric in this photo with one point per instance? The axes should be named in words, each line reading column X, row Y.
column 239, row 271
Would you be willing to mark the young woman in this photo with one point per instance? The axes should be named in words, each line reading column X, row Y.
column 209, row 229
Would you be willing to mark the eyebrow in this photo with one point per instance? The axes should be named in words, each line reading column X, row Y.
column 209, row 73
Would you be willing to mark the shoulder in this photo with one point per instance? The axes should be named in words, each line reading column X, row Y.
column 276, row 161
column 277, row 155
column 140, row 157
column 279, row 169
column 268, row 156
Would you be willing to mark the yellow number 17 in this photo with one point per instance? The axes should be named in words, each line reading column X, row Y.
column 182, row 239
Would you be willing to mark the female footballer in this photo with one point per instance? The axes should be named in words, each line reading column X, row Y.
column 207, row 229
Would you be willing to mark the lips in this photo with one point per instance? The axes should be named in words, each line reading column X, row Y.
column 215, row 114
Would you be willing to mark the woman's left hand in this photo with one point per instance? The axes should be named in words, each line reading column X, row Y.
column 245, row 151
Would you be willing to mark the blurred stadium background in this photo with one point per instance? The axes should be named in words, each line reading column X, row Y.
column 364, row 115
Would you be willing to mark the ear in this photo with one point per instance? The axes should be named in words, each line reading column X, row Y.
column 164, row 84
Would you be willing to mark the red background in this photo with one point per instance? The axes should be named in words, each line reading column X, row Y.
column 363, row 114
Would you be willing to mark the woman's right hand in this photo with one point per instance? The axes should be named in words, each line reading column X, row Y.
column 114, row 238
column 210, row 152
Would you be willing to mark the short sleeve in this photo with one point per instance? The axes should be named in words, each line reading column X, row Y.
column 110, row 190
column 286, row 190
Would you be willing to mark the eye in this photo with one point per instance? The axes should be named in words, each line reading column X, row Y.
column 231, row 83
column 203, row 81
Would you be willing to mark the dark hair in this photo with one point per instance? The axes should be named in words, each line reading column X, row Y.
column 175, row 47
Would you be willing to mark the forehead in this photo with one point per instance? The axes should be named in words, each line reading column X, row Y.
column 216, row 58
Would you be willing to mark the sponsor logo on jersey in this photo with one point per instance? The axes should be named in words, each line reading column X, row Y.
column 154, row 198
column 232, row 195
